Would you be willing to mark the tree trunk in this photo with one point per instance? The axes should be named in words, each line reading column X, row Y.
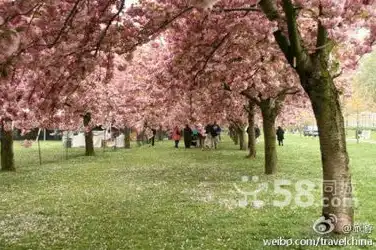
column 89, row 144
column 313, row 70
column 160, row 134
column 234, row 134
column 335, row 161
column 236, row 139
column 127, row 137
column 7, row 155
column 251, row 130
column 268, row 117
column 242, row 140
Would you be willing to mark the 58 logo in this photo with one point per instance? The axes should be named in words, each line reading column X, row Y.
column 303, row 193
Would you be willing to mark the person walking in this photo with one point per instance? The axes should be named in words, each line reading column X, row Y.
column 280, row 136
column 148, row 135
column 208, row 139
column 201, row 135
column 153, row 138
column 187, row 136
column 195, row 138
column 176, row 136
column 216, row 130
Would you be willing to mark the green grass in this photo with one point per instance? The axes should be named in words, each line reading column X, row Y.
column 351, row 134
column 165, row 198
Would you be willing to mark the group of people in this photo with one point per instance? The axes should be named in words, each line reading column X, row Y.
column 198, row 136
column 209, row 136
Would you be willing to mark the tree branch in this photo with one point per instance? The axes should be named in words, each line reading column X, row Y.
column 9, row 18
column 294, row 35
column 271, row 12
column 249, row 96
column 226, row 87
column 103, row 34
column 162, row 26
column 71, row 15
column 167, row 22
column 241, row 9
column 254, row 73
column 323, row 43
column 287, row 91
column 216, row 47
column 338, row 74
column 291, row 47
column 322, row 35
column 253, row 7
column 270, row 9
column 303, row 60
column 284, row 45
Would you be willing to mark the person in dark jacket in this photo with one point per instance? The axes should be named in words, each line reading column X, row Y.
column 257, row 132
column 208, row 139
column 280, row 136
column 153, row 138
column 187, row 136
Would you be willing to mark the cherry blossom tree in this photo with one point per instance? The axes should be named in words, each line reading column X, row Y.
column 50, row 47
column 59, row 44
column 309, row 33
column 318, row 38
column 251, row 67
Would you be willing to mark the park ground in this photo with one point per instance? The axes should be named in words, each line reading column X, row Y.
column 165, row 198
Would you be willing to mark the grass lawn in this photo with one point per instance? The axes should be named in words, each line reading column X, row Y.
column 351, row 134
column 166, row 198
